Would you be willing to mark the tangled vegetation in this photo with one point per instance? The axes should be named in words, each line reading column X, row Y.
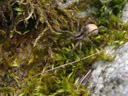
column 32, row 39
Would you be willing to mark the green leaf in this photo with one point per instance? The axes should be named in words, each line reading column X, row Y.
column 18, row 9
column 26, row 32
column 22, row 94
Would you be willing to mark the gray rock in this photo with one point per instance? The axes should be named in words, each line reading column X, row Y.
column 111, row 78
column 68, row 2
column 83, row 13
column 124, row 16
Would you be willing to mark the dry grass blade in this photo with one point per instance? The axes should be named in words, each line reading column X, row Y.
column 84, row 79
column 72, row 62
column 64, row 65
column 39, row 36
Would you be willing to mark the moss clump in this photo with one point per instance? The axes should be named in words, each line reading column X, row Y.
column 31, row 44
column 32, row 21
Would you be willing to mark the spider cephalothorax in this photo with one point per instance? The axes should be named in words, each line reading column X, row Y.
column 85, row 32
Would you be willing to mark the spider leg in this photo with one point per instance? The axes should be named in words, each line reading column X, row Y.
column 74, row 48
column 66, row 41
column 93, row 31
column 80, row 48
column 91, row 41
column 66, row 32
column 78, row 25
column 102, row 27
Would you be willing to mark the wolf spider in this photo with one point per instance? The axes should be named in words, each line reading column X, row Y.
column 86, row 31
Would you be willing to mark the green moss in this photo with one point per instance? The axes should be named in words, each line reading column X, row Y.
column 96, row 3
column 81, row 5
column 34, row 27
column 117, row 5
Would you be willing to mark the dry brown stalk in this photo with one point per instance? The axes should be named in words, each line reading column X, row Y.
column 70, row 63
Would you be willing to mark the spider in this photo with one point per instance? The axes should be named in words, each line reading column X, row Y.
column 86, row 31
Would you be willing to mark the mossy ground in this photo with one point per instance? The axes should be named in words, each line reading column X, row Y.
column 31, row 43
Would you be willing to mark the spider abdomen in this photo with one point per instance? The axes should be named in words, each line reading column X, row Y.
column 91, row 29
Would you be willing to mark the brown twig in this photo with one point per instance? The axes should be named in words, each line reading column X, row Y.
column 84, row 78
column 70, row 63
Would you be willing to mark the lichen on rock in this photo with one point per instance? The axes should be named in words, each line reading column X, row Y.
column 111, row 78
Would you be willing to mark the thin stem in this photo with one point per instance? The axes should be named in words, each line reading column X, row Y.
column 80, row 48
column 70, row 63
